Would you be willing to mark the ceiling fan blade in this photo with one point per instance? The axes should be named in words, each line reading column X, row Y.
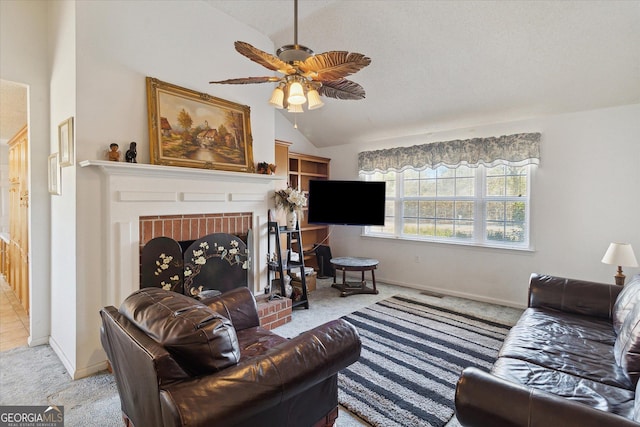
column 333, row 65
column 247, row 80
column 263, row 58
column 342, row 89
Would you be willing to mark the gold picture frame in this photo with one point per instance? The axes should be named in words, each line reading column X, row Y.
column 54, row 175
column 197, row 130
column 65, row 142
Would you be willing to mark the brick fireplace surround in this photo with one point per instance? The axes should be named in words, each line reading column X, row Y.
column 194, row 226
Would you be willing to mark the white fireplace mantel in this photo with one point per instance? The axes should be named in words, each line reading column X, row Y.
column 132, row 190
column 141, row 169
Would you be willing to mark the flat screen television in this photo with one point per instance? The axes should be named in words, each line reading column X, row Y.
column 346, row 202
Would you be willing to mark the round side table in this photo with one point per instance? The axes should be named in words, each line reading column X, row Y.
column 355, row 264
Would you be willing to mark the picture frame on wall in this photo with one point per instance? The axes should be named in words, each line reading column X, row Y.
column 54, row 175
column 65, row 142
column 193, row 129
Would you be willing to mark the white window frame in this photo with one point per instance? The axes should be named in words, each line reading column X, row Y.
column 480, row 200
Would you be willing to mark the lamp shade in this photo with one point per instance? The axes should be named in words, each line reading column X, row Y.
column 295, row 108
column 296, row 94
column 277, row 97
column 620, row 254
column 314, row 99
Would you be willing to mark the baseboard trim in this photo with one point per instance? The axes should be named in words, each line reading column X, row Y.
column 63, row 358
column 466, row 295
column 448, row 292
column 31, row 342
column 90, row 370
column 74, row 373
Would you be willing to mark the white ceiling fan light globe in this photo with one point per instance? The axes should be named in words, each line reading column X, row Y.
column 314, row 99
column 295, row 108
column 277, row 98
column 296, row 94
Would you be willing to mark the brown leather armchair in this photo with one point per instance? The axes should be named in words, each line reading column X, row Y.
column 182, row 362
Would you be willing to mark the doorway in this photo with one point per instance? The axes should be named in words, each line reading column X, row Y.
column 14, row 215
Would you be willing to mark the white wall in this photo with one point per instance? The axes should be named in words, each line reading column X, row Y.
column 118, row 44
column 584, row 196
column 187, row 43
column 64, row 292
column 24, row 59
column 285, row 131
column 93, row 57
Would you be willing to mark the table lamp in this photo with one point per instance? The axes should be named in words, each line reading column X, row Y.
column 620, row 254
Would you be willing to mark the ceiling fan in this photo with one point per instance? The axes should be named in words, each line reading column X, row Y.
column 304, row 73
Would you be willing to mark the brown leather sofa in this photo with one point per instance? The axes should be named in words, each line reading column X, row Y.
column 178, row 361
column 572, row 359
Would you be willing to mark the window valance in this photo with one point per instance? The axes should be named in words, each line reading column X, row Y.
column 514, row 150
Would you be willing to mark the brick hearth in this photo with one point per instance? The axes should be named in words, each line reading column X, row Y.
column 273, row 313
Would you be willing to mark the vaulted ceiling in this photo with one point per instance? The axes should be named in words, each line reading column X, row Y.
column 440, row 65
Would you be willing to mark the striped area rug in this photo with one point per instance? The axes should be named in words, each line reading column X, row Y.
column 412, row 356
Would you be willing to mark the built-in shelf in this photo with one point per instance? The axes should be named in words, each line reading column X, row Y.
column 141, row 169
column 302, row 169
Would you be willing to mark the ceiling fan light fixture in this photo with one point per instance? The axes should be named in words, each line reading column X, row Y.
column 306, row 75
column 314, row 99
column 277, row 98
column 296, row 94
column 295, row 108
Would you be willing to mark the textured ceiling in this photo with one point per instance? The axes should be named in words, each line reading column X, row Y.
column 13, row 109
column 440, row 65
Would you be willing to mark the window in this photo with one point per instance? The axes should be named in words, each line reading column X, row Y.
column 482, row 205
column 473, row 191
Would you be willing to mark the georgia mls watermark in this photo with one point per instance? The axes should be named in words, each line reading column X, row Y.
column 31, row 416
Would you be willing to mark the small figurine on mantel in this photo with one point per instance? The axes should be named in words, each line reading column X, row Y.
column 266, row 168
column 131, row 153
column 114, row 154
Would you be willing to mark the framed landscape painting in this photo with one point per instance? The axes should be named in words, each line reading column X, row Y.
column 197, row 130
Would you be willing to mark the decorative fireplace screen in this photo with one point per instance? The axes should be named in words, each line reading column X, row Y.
column 218, row 262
